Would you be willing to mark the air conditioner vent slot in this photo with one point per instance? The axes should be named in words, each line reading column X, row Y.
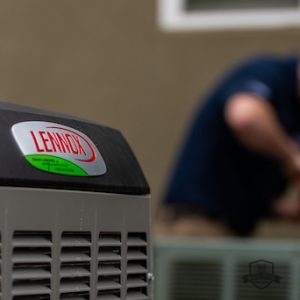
column 109, row 266
column 75, row 297
column 109, row 239
column 196, row 279
column 137, row 239
column 31, row 298
column 32, row 257
column 0, row 267
column 137, row 284
column 137, row 294
column 137, row 267
column 75, row 268
column 109, row 295
column 109, row 283
column 136, row 281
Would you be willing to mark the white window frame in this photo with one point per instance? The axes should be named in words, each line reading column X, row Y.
column 172, row 16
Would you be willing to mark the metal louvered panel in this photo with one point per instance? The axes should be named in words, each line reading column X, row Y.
column 106, row 284
column 109, row 269
column 37, row 273
column 275, row 291
column 195, row 279
column 40, row 297
column 135, row 254
column 136, row 296
column 109, row 266
column 31, row 241
column 138, row 267
column 108, row 298
column 109, row 254
column 109, row 295
column 137, row 283
column 0, row 267
column 73, row 286
column 75, row 298
column 110, row 239
column 75, row 241
column 137, row 240
column 77, row 255
column 75, row 269
column 32, row 257
column 30, row 289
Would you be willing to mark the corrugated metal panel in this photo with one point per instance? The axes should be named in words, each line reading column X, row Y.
column 134, row 295
column 110, row 239
column 74, row 298
column 75, row 255
column 137, row 255
column 109, row 266
column 109, row 269
column 0, row 267
column 109, row 297
column 73, row 286
column 30, row 289
column 192, row 279
column 32, row 257
column 25, row 273
column 109, row 284
column 109, row 254
column 75, row 269
column 69, row 240
column 138, row 267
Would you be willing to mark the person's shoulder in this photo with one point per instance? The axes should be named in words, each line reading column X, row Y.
column 261, row 61
column 260, row 67
column 268, row 61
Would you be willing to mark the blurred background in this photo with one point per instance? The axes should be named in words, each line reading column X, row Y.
column 141, row 66
column 113, row 62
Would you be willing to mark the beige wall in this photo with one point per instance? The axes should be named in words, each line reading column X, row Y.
column 107, row 61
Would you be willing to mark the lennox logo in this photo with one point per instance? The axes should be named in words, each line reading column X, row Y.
column 65, row 141
column 58, row 149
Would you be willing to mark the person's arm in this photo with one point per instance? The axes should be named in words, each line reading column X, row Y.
column 255, row 124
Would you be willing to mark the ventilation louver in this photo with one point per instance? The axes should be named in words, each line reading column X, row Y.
column 137, row 267
column 196, row 279
column 0, row 268
column 75, row 270
column 109, row 266
column 32, row 257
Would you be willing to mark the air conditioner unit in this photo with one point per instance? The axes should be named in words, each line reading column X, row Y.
column 227, row 269
column 74, row 211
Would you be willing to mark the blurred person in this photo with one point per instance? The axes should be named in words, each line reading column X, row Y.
column 240, row 154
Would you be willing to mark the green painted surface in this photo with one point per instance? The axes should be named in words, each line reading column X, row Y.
column 56, row 165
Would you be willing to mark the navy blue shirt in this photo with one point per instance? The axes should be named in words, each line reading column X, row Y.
column 215, row 171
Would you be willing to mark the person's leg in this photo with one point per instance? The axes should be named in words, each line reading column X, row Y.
column 193, row 226
column 172, row 224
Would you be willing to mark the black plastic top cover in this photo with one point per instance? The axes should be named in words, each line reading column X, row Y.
column 41, row 149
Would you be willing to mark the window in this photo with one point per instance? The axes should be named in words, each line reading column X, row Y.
column 228, row 14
